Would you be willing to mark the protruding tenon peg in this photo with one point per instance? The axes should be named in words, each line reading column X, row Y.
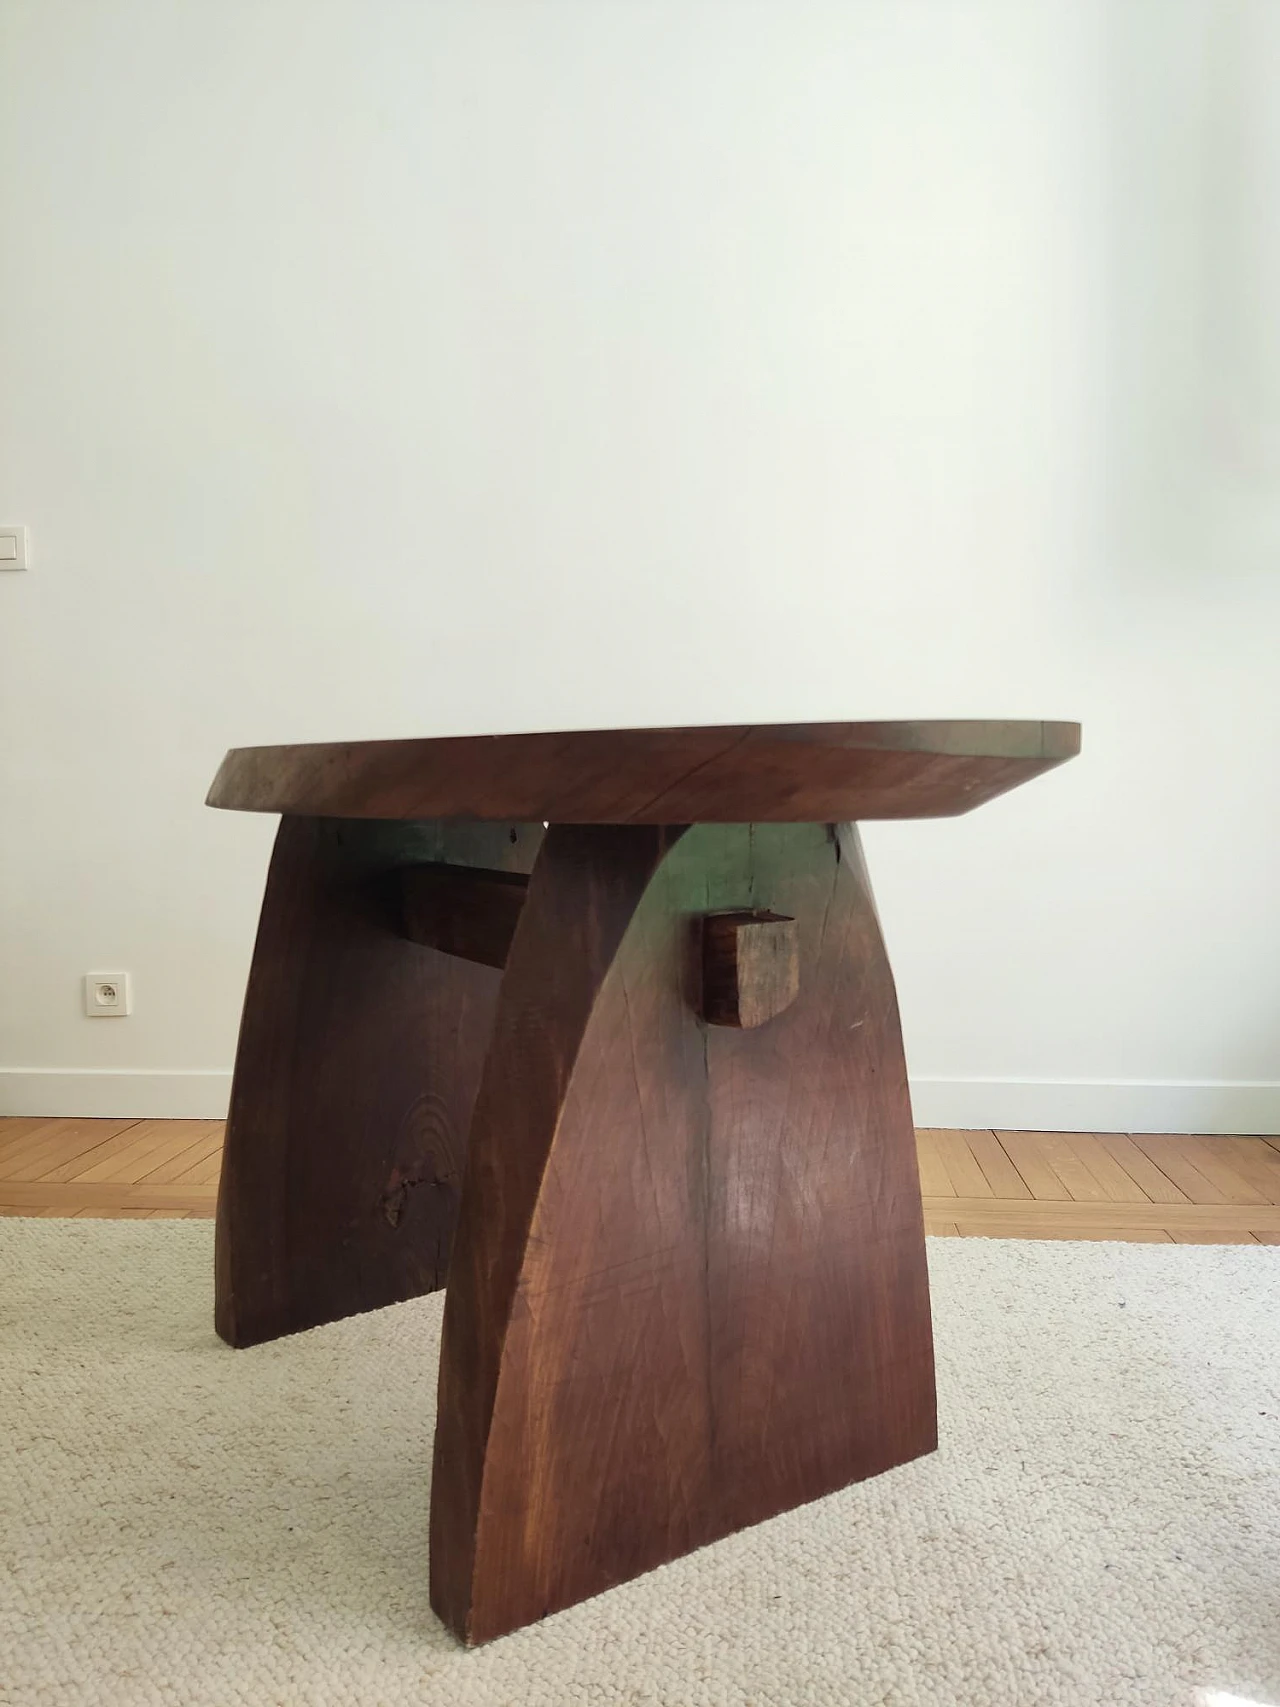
column 750, row 967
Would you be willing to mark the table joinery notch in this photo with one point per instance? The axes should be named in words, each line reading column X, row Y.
column 466, row 912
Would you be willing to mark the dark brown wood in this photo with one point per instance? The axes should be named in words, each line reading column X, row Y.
column 784, row 773
column 471, row 914
column 688, row 1287
column 357, row 1067
column 750, row 967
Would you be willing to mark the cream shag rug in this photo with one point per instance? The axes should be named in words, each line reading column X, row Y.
column 181, row 1523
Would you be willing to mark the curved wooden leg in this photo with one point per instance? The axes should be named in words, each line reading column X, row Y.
column 357, row 1067
column 688, row 1288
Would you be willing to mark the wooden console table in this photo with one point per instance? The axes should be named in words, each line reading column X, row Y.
column 599, row 1029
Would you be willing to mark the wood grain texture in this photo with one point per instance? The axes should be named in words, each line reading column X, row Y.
column 1254, row 1163
column 993, row 1159
column 38, row 1149
column 688, row 1286
column 358, row 1062
column 934, row 1179
column 1021, row 1220
column 1150, row 1178
column 961, row 1165
column 25, row 1196
column 750, row 967
column 1168, row 1152
column 784, row 773
column 1210, row 1236
column 1117, row 1184
column 1027, row 1155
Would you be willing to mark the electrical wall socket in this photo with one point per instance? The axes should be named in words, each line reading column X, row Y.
column 14, row 547
column 107, row 995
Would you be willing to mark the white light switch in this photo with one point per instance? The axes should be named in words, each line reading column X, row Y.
column 13, row 548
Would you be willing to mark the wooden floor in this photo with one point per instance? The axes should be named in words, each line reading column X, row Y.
column 1010, row 1185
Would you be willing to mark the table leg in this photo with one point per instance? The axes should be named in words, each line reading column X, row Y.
column 688, row 1286
column 359, row 1056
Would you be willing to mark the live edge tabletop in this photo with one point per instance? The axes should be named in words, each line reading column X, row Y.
column 596, row 1030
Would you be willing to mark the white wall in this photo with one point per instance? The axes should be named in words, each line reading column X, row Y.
column 414, row 368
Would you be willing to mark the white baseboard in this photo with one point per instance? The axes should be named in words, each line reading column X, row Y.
column 1100, row 1105
column 1039, row 1105
column 118, row 1093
